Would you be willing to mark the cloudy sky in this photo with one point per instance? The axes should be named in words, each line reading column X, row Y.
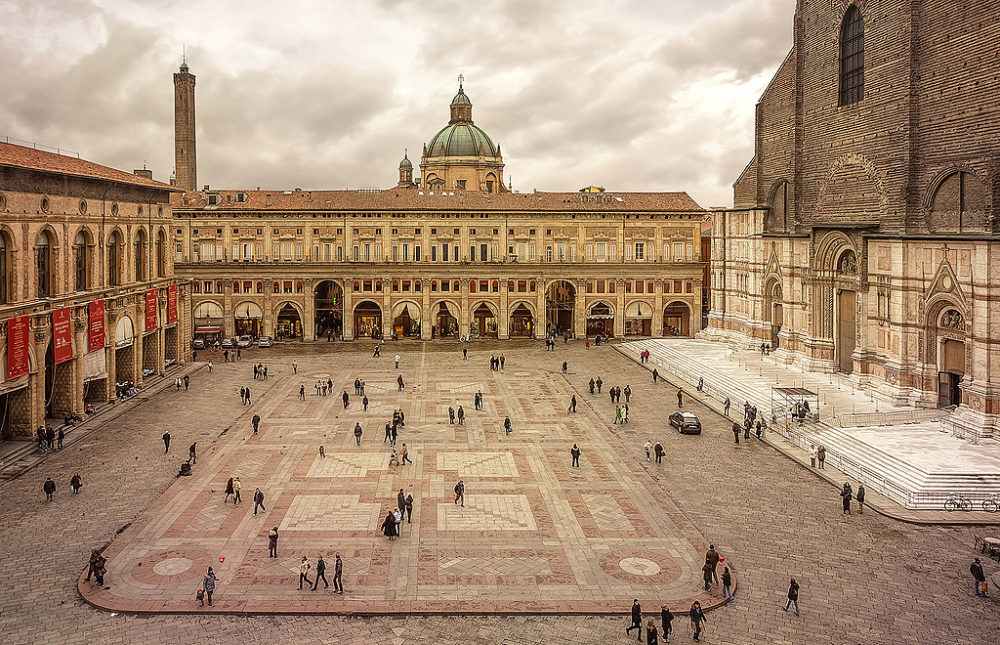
column 626, row 94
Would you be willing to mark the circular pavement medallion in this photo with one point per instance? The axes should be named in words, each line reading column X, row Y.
column 172, row 566
column 639, row 566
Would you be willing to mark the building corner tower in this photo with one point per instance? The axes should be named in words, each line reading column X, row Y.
column 185, row 159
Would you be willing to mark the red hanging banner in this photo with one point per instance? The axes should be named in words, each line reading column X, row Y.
column 96, row 327
column 171, row 304
column 18, row 332
column 62, row 336
column 151, row 310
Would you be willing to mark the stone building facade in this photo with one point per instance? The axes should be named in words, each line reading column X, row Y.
column 864, row 234
column 87, row 294
column 448, row 254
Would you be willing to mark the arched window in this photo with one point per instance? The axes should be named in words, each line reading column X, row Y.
column 44, row 265
column 115, row 259
column 161, row 254
column 81, row 260
column 4, row 273
column 852, row 57
column 140, row 255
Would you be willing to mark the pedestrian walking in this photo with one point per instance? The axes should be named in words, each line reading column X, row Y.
column 618, row 414
column 302, row 393
column 75, row 484
column 388, row 434
column 364, row 402
column 397, row 361
column 712, row 557
column 725, row 406
column 193, row 453
column 697, row 619
column 357, row 433
column 256, row 422
column 860, row 497
column 187, row 382
column 599, row 384
column 628, row 393
column 978, row 577
column 208, row 585
column 389, row 526
column 591, row 385
column 727, row 583
column 320, row 573
column 49, row 487
column 451, row 414
column 656, row 375
column 97, row 568
column 821, row 455
column 338, row 572
column 272, row 543
column 572, row 404
column 404, row 456
column 506, row 426
column 793, row 596
column 248, row 396
column 812, row 455
column 347, row 399
column 565, row 366
column 177, row 384
column 636, row 619
column 304, row 567
column 59, row 439
column 460, row 492
column 706, row 573
column 648, row 447
column 322, row 452
column 465, row 353
column 237, row 486
column 399, row 382
column 736, row 431
column 50, row 437
column 680, row 398
column 846, row 494
column 408, row 506
column 211, row 366
column 659, row 452
column 461, row 416
column 575, row 452
column 377, row 353
column 229, row 490
column 503, row 359
column 166, row 442
column 666, row 622
column 258, row 501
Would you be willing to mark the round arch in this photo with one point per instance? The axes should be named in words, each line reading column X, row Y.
column 406, row 317
column 560, row 307
column 639, row 318
column 522, row 319
column 288, row 320
column 248, row 318
column 444, row 318
column 601, row 319
column 677, row 319
column 485, row 323
column 367, row 319
column 945, row 329
column 328, row 308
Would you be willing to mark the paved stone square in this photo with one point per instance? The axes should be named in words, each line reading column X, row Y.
column 533, row 534
column 865, row 579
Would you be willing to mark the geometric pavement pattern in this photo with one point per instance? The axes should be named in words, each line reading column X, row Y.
column 535, row 535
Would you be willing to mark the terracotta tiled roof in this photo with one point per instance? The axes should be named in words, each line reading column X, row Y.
column 23, row 157
column 414, row 199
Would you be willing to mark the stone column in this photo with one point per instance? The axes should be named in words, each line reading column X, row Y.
column 465, row 317
column 138, row 343
column 619, row 326
column 503, row 332
column 539, row 329
column 80, row 345
column 386, row 309
column 425, row 310
column 580, row 313
column 656, row 328
column 308, row 311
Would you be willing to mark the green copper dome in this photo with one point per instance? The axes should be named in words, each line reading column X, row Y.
column 461, row 140
column 461, row 98
column 405, row 163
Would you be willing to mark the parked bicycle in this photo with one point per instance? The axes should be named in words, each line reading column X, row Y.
column 992, row 503
column 957, row 502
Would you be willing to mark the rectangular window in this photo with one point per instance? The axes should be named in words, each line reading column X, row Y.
column 445, row 285
column 454, row 252
column 368, row 252
column 677, row 286
column 600, row 286
column 689, row 252
column 444, row 252
column 286, row 287
column 395, row 253
column 406, row 252
column 484, row 286
column 522, row 286
column 434, row 253
column 562, row 251
column 483, row 255
column 548, row 253
column 299, row 251
column 572, row 252
column 406, row 285
column 236, row 253
column 327, row 252
column 416, row 253
column 639, row 286
column 602, row 250
column 611, row 286
column 357, row 253
column 612, row 251
column 340, row 253
column 522, row 252
column 678, row 251
column 286, row 250
column 640, row 251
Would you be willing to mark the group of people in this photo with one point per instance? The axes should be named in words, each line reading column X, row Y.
column 48, row 439
column 49, row 486
column 393, row 523
column 124, row 390
column 497, row 362
column 305, row 566
column 653, row 635
column 185, row 382
column 260, row 372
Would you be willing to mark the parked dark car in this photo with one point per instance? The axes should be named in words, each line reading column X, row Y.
column 686, row 422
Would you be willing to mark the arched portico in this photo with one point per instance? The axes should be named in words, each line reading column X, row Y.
column 677, row 319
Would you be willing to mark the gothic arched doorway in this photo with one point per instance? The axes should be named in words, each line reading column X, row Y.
column 846, row 315
column 774, row 310
column 946, row 329
column 521, row 322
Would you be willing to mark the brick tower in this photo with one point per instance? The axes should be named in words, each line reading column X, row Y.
column 185, row 158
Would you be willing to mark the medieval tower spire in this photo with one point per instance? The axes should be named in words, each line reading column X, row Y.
column 185, row 159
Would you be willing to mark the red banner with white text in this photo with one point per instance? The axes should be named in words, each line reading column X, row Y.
column 151, row 310
column 171, row 304
column 18, row 333
column 96, row 327
column 62, row 336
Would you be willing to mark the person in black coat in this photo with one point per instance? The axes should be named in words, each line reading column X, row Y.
column 793, row 596
column 636, row 619
column 666, row 622
column 978, row 576
column 847, row 495
column 49, row 487
column 320, row 573
column 697, row 619
column 389, row 526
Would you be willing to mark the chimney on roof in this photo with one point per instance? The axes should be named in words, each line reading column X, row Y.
column 142, row 172
column 205, row 188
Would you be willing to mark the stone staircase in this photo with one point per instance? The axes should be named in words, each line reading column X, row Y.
column 903, row 482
